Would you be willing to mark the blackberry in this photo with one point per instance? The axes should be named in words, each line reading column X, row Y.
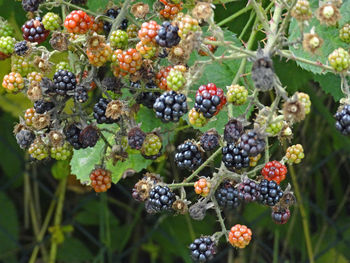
column 270, row 192
column 113, row 13
column 167, row 35
column 188, row 156
column 161, row 198
column 248, row 190
column 280, row 215
column 210, row 140
column 203, row 249
column 343, row 120
column 80, row 94
column 65, row 81
column 89, row 136
column 170, row 106
column 227, row 195
column 30, row 5
column 135, row 138
column 100, row 111
column 233, row 130
column 263, row 73
column 234, row 157
column 42, row 106
column 145, row 98
column 209, row 100
column 251, row 143
column 25, row 138
column 34, row 31
column 72, row 133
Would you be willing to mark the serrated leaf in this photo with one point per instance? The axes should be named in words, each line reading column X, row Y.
column 84, row 160
column 97, row 5
column 330, row 84
column 329, row 34
column 74, row 251
column 135, row 162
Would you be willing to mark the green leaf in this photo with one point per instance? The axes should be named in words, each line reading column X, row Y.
column 329, row 34
column 15, row 104
column 330, row 84
column 74, row 251
column 97, row 5
column 60, row 169
column 135, row 162
column 9, row 230
column 84, row 160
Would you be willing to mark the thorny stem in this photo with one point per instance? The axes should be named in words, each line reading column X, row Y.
column 274, row 26
column 117, row 22
column 179, row 185
column 200, row 168
column 260, row 13
column 221, row 220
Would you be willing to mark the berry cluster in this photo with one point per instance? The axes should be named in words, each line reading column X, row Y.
column 209, row 100
column 188, row 156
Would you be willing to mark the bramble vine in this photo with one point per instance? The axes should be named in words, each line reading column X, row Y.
column 141, row 66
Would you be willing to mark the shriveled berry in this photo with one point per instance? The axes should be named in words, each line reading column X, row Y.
column 210, row 140
column 233, row 130
column 89, row 136
column 25, row 138
column 135, row 138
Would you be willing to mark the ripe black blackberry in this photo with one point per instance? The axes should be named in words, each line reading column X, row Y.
column 161, row 198
column 89, row 136
column 145, row 98
column 234, row 157
column 170, row 106
column 113, row 13
column 188, row 156
column 252, row 143
column 263, row 73
column 80, row 94
column 30, row 5
column 21, row 48
column 248, row 190
column 270, row 192
column 167, row 35
column 227, row 195
column 77, row 2
column 135, row 138
column 25, row 138
column 210, row 140
column 343, row 120
column 65, row 81
column 100, row 111
column 280, row 215
column 233, row 130
column 72, row 133
column 34, row 31
column 41, row 106
column 203, row 249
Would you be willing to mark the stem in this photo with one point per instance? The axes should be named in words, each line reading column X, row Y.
column 260, row 12
column 275, row 245
column 274, row 27
column 289, row 55
column 117, row 22
column 237, row 14
column 200, row 168
column 174, row 186
column 58, row 217
column 302, row 213
column 221, row 220
column 44, row 226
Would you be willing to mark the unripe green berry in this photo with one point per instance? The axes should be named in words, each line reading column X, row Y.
column 38, row 150
column 5, row 29
column 61, row 153
column 7, row 45
column 196, row 118
column 51, row 21
column 119, row 39
column 339, row 60
column 151, row 145
column 63, row 65
column 237, row 94
column 344, row 33
column 175, row 80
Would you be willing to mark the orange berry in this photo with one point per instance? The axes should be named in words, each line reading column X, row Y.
column 240, row 236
